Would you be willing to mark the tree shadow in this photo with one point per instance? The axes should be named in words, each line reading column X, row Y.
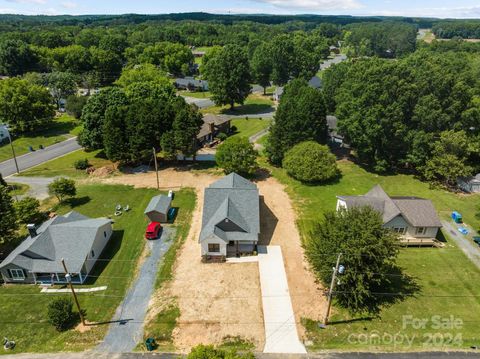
column 262, row 174
column 77, row 201
column 113, row 246
column 248, row 109
column 55, row 128
column 268, row 223
column 353, row 320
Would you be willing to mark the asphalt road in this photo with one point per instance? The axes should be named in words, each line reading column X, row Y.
column 7, row 168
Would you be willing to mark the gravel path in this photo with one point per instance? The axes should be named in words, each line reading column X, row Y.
column 471, row 250
column 126, row 329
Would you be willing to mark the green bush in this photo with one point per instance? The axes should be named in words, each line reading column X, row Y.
column 210, row 352
column 236, row 154
column 222, row 136
column 310, row 162
column 28, row 210
column 60, row 314
column 81, row 164
column 61, row 188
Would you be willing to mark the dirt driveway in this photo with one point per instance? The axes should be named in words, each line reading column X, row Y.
column 220, row 300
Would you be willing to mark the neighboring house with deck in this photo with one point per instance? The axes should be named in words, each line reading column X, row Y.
column 231, row 218
column 211, row 127
column 415, row 219
column 470, row 184
column 76, row 238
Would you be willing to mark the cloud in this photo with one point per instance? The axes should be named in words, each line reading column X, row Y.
column 438, row 12
column 37, row 2
column 69, row 4
column 314, row 5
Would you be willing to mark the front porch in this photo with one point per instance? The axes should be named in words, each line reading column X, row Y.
column 57, row 278
column 241, row 248
column 409, row 241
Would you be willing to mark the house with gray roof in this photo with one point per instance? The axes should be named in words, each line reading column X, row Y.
column 412, row 217
column 212, row 126
column 470, row 184
column 231, row 217
column 157, row 209
column 76, row 238
column 191, row 84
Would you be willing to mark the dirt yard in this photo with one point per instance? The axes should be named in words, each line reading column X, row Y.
column 219, row 300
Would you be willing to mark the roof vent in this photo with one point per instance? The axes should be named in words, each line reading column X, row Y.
column 32, row 229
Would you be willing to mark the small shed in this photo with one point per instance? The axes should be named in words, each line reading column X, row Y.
column 157, row 209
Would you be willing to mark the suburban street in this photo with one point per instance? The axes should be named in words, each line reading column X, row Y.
column 7, row 168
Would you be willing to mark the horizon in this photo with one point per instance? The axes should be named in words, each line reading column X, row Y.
column 449, row 9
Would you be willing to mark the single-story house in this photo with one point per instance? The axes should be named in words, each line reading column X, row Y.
column 315, row 82
column 211, row 127
column 191, row 84
column 332, row 124
column 231, row 217
column 412, row 217
column 157, row 209
column 470, row 184
column 76, row 238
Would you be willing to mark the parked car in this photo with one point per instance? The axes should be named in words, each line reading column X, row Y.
column 476, row 239
column 153, row 230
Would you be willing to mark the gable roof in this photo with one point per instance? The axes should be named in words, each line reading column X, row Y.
column 208, row 119
column 160, row 203
column 232, row 199
column 418, row 212
column 70, row 237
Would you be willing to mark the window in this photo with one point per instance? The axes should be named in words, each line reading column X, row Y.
column 231, row 243
column 214, row 247
column 17, row 274
column 92, row 253
column 421, row 230
column 105, row 234
column 400, row 230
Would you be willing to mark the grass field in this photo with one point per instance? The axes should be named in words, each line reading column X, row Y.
column 64, row 166
column 23, row 307
column 62, row 128
column 446, row 278
column 254, row 104
column 250, row 127
column 18, row 189
column 199, row 94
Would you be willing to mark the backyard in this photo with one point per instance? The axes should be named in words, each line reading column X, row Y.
column 254, row 104
column 61, row 129
column 23, row 307
column 249, row 127
column 444, row 276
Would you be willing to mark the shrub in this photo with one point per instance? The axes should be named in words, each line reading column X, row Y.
column 310, row 161
column 61, row 188
column 236, row 154
column 210, row 352
column 222, row 136
column 81, row 164
column 60, row 314
column 28, row 210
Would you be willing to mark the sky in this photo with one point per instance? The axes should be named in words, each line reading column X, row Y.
column 425, row 8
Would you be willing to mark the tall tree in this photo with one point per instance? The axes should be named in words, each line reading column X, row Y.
column 16, row 58
column 8, row 224
column 262, row 66
column 301, row 116
column 237, row 154
column 62, row 85
column 141, row 73
column 228, row 75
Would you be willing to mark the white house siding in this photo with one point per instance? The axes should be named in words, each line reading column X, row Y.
column 98, row 245
column 400, row 222
column 214, row 240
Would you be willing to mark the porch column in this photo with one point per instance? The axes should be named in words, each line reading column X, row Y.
column 237, row 248
column 81, row 279
column 34, row 278
column 58, row 279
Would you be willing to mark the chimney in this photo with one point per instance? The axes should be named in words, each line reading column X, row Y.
column 32, row 229
column 212, row 127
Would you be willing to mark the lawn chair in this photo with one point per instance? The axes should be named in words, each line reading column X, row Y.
column 126, row 208
column 118, row 207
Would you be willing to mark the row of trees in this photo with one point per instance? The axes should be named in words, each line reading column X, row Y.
column 466, row 29
column 127, row 122
column 420, row 113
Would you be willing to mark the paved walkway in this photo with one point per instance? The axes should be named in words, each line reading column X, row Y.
column 126, row 329
column 280, row 328
column 32, row 159
column 466, row 244
column 77, row 290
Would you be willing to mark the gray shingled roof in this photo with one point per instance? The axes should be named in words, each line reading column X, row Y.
column 208, row 119
column 418, row 212
column 70, row 237
column 160, row 203
column 234, row 200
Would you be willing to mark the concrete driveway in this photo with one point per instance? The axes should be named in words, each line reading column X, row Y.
column 280, row 329
column 466, row 244
column 126, row 328
column 32, row 159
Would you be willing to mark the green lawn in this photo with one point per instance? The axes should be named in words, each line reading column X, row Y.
column 253, row 105
column 446, row 278
column 249, row 127
column 18, row 189
column 62, row 128
column 23, row 307
column 196, row 94
column 64, row 166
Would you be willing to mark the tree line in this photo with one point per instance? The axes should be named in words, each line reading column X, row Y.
column 466, row 29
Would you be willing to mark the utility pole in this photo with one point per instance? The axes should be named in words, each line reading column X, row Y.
column 156, row 166
column 13, row 150
column 69, row 280
column 330, row 292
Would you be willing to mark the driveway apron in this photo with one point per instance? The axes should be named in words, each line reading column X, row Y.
column 280, row 329
column 126, row 329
